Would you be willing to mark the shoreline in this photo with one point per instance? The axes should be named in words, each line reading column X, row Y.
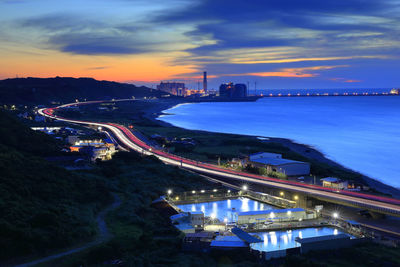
column 307, row 151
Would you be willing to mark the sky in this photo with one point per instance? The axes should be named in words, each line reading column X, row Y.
column 274, row 43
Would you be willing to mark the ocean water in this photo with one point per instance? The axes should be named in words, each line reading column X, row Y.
column 359, row 132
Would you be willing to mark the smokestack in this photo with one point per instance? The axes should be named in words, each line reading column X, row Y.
column 205, row 81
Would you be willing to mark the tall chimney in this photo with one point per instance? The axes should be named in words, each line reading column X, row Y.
column 205, row 81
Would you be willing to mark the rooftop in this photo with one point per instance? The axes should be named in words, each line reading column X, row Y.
column 261, row 212
column 321, row 238
column 228, row 242
column 331, row 179
column 276, row 161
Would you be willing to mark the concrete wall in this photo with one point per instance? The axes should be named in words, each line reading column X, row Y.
column 278, row 217
column 330, row 244
column 293, row 169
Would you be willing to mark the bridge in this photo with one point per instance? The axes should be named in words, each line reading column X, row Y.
column 129, row 140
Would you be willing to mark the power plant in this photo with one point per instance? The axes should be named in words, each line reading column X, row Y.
column 205, row 82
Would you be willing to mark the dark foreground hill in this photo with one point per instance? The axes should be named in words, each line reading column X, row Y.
column 46, row 90
column 42, row 206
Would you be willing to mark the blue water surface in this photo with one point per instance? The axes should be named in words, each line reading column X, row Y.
column 360, row 132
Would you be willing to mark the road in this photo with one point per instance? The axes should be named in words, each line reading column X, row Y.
column 131, row 141
column 103, row 236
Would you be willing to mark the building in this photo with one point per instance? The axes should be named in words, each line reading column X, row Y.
column 278, row 215
column 275, row 162
column 205, row 81
column 231, row 90
column 334, row 183
column 95, row 149
column 197, row 219
column 327, row 242
column 173, row 88
column 262, row 155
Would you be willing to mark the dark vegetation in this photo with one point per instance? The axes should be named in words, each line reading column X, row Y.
column 368, row 254
column 46, row 90
column 43, row 207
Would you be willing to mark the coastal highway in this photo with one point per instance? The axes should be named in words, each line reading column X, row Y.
column 129, row 140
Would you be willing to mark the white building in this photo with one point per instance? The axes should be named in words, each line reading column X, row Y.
column 334, row 183
column 278, row 215
column 197, row 219
column 275, row 162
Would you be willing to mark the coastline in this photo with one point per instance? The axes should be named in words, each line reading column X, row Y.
column 155, row 111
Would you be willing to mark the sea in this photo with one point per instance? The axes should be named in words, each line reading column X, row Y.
column 359, row 132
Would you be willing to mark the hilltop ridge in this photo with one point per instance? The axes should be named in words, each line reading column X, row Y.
column 66, row 89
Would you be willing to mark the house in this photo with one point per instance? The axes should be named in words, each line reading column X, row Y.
column 334, row 183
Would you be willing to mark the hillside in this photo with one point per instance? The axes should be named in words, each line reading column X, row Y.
column 43, row 207
column 46, row 90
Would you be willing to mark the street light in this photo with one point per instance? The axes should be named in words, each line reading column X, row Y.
column 281, row 193
column 335, row 215
column 244, row 187
column 169, row 192
column 193, row 192
column 202, row 191
column 296, row 197
column 212, row 217
column 215, row 190
column 229, row 191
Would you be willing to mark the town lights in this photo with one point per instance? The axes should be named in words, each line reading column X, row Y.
column 296, row 197
column 215, row 190
column 202, row 191
column 229, row 191
column 244, row 187
column 335, row 215
column 169, row 192
column 99, row 128
column 193, row 192
column 281, row 193
column 177, row 198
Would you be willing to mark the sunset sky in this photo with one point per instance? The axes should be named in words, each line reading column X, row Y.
column 277, row 43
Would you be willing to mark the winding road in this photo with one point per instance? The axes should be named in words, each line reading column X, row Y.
column 129, row 140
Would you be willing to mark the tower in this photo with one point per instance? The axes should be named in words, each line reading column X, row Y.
column 205, row 81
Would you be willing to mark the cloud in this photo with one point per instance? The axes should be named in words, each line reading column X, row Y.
column 98, row 68
column 344, row 80
column 302, row 72
column 73, row 34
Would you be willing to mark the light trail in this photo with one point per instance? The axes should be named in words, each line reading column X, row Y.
column 131, row 141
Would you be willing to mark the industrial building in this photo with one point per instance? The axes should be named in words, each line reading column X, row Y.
column 173, row 88
column 231, row 90
column 188, row 222
column 205, row 82
column 327, row 242
column 334, row 183
column 275, row 162
column 276, row 215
